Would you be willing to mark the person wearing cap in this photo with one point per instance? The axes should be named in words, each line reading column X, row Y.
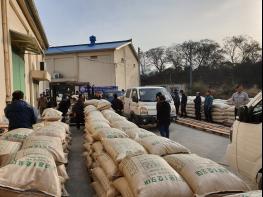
column 239, row 98
column 183, row 104
column 198, row 103
column 163, row 116
column 19, row 113
column 208, row 105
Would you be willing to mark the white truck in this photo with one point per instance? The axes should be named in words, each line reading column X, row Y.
column 244, row 153
column 140, row 104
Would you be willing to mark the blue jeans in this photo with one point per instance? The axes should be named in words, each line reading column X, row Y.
column 164, row 130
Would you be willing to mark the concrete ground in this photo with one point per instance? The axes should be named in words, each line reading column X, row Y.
column 79, row 183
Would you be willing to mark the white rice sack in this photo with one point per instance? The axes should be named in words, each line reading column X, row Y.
column 162, row 146
column 17, row 135
column 257, row 193
column 151, row 176
column 105, row 133
column 205, row 176
column 119, row 148
column 51, row 114
column 103, row 104
column 8, row 147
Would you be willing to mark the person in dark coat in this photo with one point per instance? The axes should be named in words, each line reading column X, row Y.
column 19, row 113
column 176, row 100
column 163, row 116
column 78, row 111
column 198, row 103
column 208, row 106
column 183, row 104
column 63, row 106
column 117, row 104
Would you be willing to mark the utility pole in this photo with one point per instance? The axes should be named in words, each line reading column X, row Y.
column 140, row 66
column 191, row 72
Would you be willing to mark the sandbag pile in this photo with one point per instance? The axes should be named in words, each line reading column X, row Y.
column 222, row 112
column 32, row 161
column 125, row 160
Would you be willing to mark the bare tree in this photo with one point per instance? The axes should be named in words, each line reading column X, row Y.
column 157, row 57
column 175, row 56
column 240, row 49
column 208, row 54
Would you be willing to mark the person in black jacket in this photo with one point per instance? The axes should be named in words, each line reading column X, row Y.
column 163, row 116
column 117, row 104
column 19, row 113
column 176, row 100
column 198, row 103
column 183, row 104
column 63, row 106
column 78, row 111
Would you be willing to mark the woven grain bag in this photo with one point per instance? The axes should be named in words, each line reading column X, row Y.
column 109, row 133
column 123, row 125
column 89, row 109
column 35, row 171
column 52, row 144
column 103, row 104
column 205, row 176
column 138, row 133
column 98, row 189
column 94, row 127
column 151, row 175
column 112, row 116
column 58, row 123
column 62, row 172
column 162, row 146
column 17, row 135
column 257, row 193
column 51, row 114
column 119, row 148
column 123, row 187
column 8, row 147
column 97, row 147
column 52, row 131
column 93, row 102
column 108, row 166
column 99, row 175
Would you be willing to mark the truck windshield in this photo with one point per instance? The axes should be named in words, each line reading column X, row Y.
column 149, row 94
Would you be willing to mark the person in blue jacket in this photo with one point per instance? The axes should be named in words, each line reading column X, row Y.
column 208, row 106
column 19, row 113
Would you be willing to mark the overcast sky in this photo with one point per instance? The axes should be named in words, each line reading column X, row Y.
column 150, row 23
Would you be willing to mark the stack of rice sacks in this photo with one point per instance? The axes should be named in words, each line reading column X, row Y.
column 125, row 160
column 32, row 161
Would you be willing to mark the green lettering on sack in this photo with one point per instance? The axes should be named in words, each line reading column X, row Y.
column 160, row 178
column 147, row 182
column 199, row 173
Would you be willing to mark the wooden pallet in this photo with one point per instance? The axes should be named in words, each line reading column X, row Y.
column 205, row 126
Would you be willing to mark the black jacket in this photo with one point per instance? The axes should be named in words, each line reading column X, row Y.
column 78, row 109
column 63, row 106
column 184, row 99
column 163, row 113
column 117, row 105
column 176, row 99
column 20, row 115
column 198, row 102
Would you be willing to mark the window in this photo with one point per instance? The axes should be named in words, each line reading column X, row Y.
column 128, row 93
column 134, row 93
column 93, row 57
column 257, row 113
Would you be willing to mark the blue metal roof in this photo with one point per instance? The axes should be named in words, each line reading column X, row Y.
column 86, row 47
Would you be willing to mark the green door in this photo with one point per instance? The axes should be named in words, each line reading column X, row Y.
column 18, row 71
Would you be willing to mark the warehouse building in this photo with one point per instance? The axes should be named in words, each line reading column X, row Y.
column 105, row 65
column 22, row 45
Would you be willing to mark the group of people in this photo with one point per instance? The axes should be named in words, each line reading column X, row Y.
column 239, row 98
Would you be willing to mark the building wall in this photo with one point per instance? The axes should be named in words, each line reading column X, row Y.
column 2, row 70
column 17, row 22
column 127, row 68
column 79, row 67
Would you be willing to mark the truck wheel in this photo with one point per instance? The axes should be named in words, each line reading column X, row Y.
column 259, row 180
